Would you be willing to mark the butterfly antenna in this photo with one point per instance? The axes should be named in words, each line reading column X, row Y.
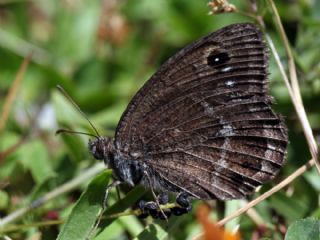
column 59, row 131
column 78, row 108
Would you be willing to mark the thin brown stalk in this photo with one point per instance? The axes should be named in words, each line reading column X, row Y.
column 294, row 92
column 255, row 217
column 267, row 194
column 280, row 66
column 264, row 196
column 13, row 92
column 297, row 99
column 12, row 149
column 25, row 227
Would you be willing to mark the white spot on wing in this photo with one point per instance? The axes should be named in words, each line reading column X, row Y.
column 207, row 108
column 135, row 154
column 269, row 146
column 226, row 129
column 269, row 151
column 268, row 154
column 230, row 83
column 226, row 69
column 222, row 163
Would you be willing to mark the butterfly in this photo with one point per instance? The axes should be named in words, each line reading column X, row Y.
column 202, row 125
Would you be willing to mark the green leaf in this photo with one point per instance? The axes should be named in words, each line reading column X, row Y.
column 152, row 232
column 304, row 229
column 35, row 158
column 232, row 206
column 291, row 208
column 121, row 205
column 114, row 231
column 4, row 200
column 130, row 224
column 11, row 161
column 86, row 210
column 159, row 229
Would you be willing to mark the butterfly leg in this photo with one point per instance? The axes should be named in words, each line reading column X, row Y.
column 184, row 201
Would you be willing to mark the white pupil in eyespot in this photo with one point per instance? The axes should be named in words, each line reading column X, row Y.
column 216, row 59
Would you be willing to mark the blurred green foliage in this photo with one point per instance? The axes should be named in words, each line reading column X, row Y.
column 102, row 52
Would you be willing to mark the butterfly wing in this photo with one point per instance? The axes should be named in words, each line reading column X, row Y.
column 204, row 121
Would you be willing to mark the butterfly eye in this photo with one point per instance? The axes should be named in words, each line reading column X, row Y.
column 217, row 58
column 96, row 148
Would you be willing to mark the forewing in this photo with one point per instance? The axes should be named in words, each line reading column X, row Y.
column 204, row 121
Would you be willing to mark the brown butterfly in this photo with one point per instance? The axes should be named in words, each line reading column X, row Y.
column 202, row 126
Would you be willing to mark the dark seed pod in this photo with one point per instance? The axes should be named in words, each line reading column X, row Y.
column 167, row 213
column 177, row 211
column 183, row 200
column 163, row 198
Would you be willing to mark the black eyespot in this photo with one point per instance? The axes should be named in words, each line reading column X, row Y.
column 217, row 58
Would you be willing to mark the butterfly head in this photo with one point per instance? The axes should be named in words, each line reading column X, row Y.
column 102, row 148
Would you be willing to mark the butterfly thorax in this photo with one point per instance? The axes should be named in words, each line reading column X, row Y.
column 102, row 148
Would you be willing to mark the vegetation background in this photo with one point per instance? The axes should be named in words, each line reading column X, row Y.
column 101, row 53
